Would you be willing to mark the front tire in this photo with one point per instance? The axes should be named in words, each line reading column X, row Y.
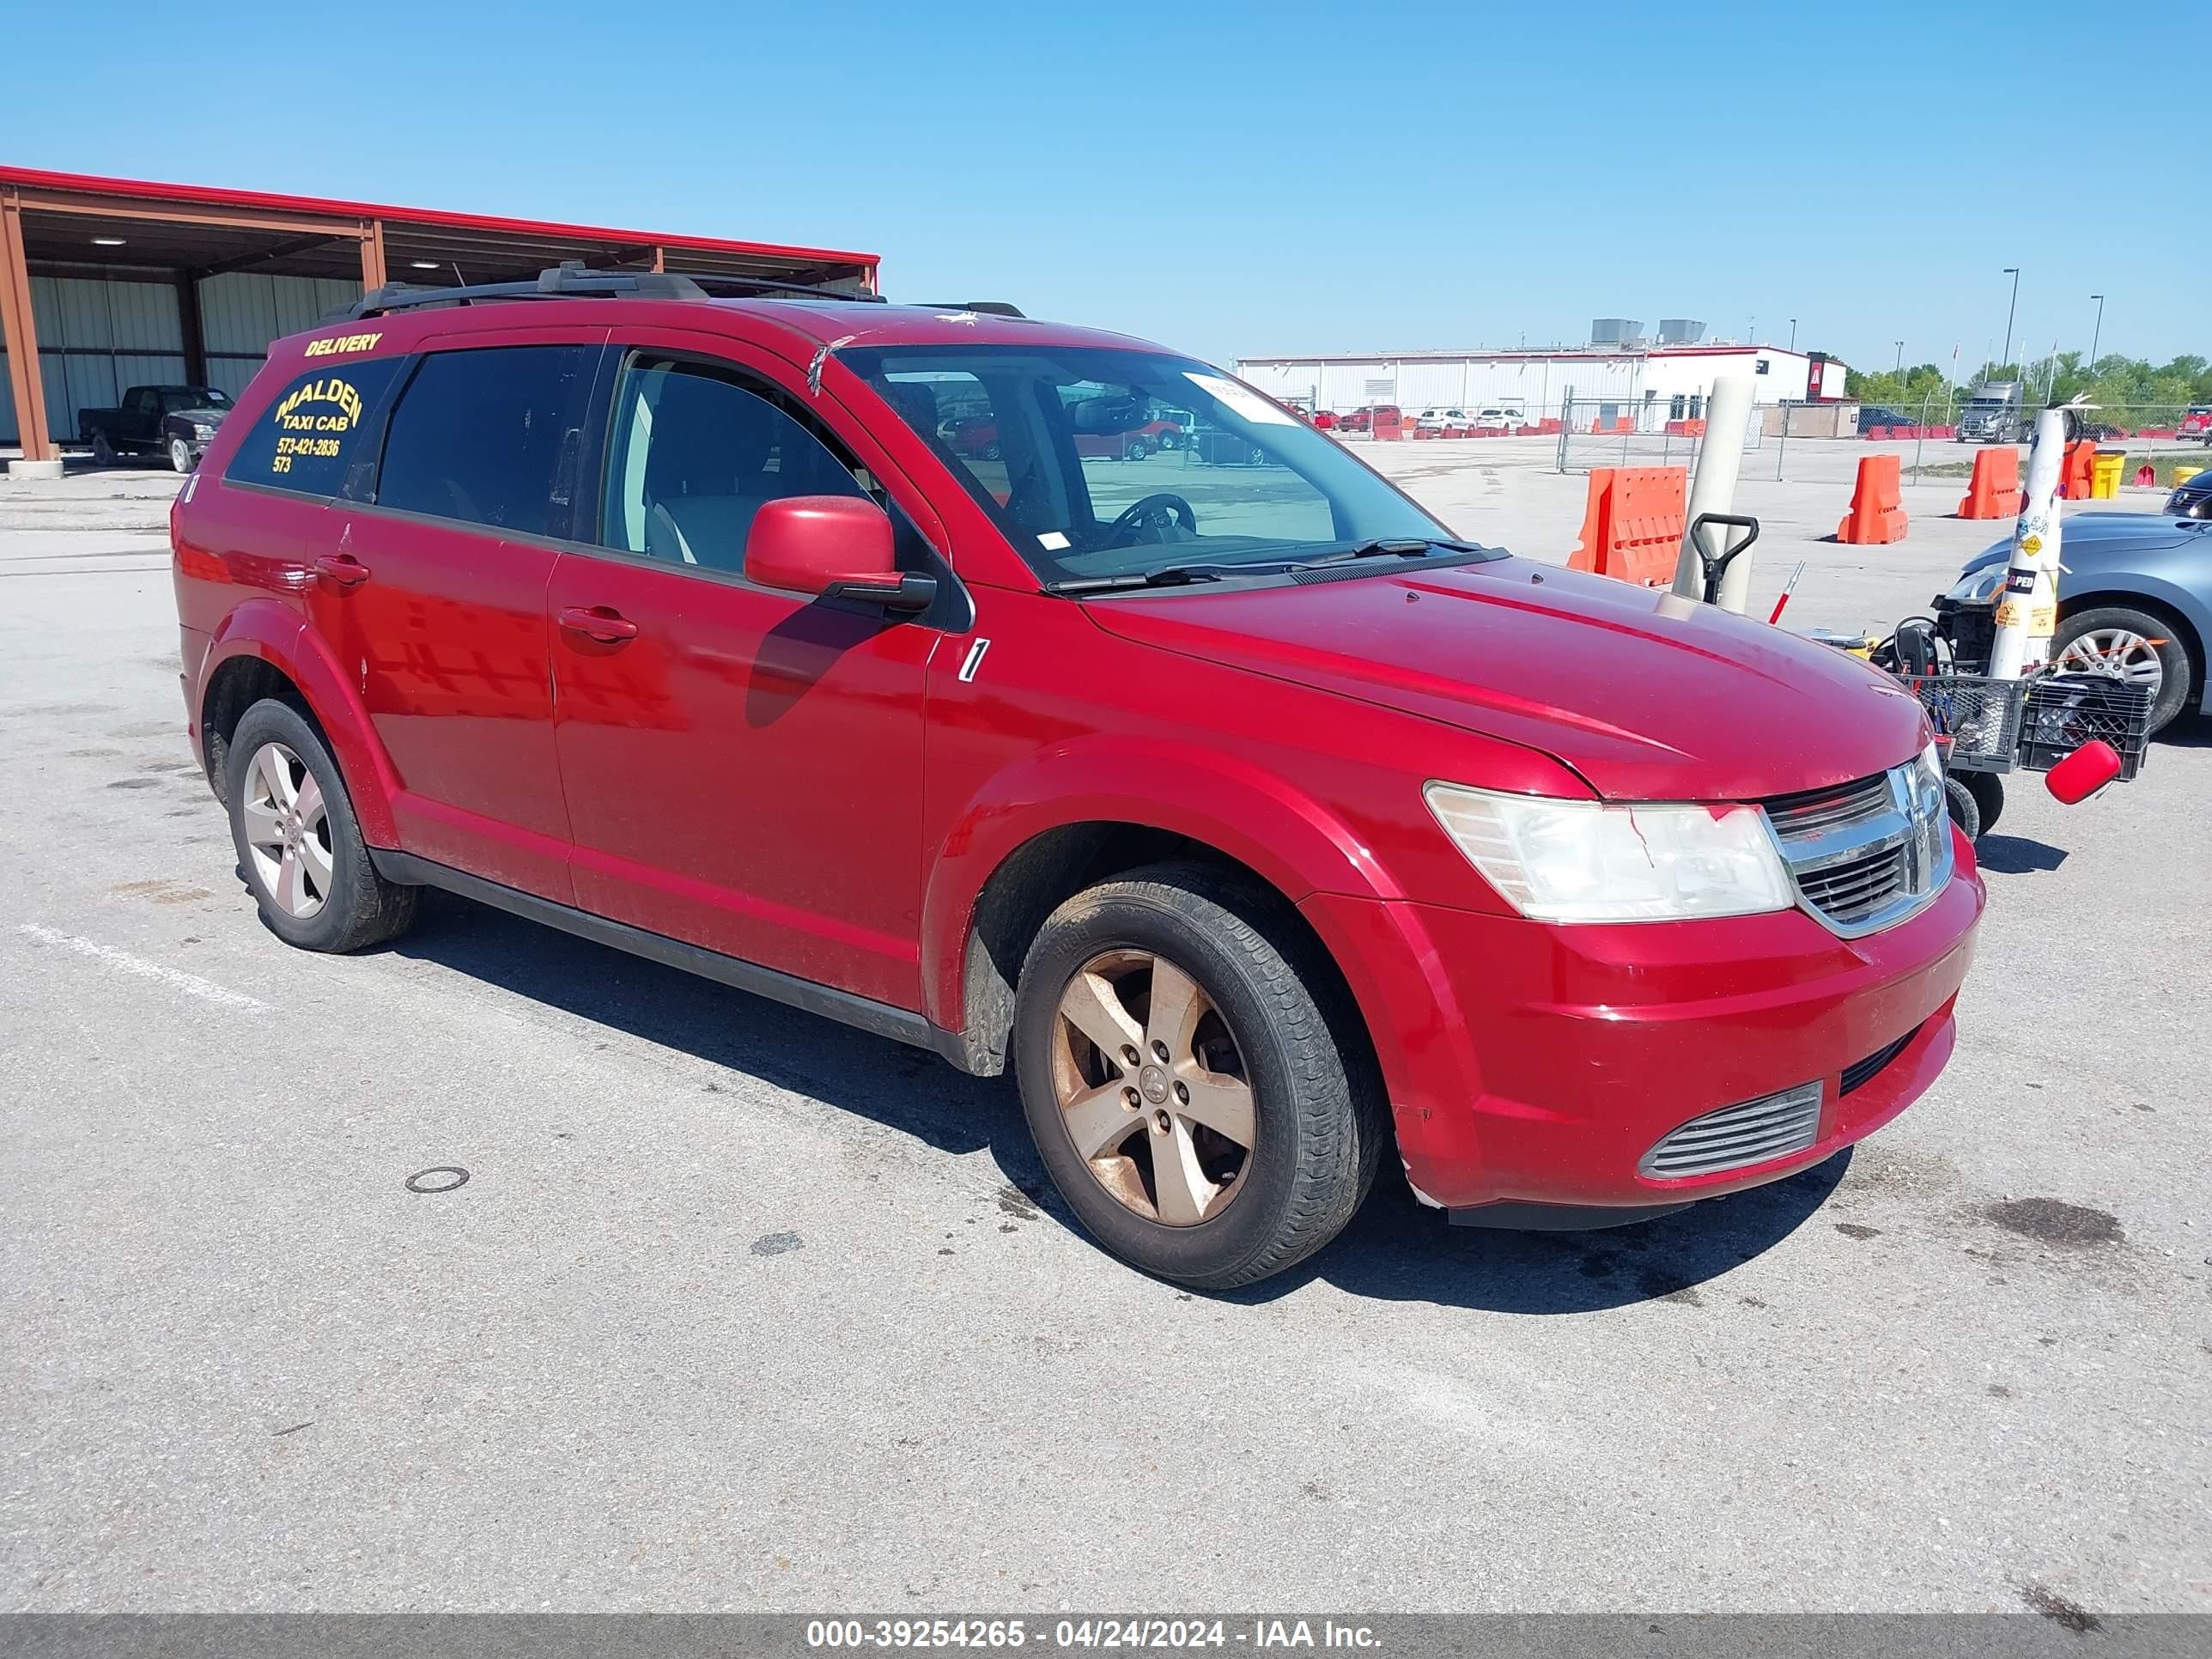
column 181, row 456
column 298, row 842
column 2130, row 645
column 1188, row 1094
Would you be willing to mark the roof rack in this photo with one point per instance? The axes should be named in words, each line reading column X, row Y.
column 983, row 307
column 572, row 279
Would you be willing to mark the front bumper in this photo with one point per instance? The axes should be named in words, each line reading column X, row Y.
column 1536, row 1065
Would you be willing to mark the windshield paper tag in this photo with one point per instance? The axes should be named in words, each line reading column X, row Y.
column 1242, row 399
column 1051, row 540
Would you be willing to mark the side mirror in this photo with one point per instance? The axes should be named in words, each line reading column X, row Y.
column 831, row 547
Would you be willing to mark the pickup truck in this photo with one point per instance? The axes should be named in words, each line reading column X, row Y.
column 176, row 421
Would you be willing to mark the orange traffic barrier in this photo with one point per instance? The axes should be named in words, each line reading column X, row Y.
column 1632, row 523
column 2077, row 476
column 1994, row 491
column 1877, row 512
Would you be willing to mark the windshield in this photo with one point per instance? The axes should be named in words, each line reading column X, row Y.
column 1098, row 464
column 194, row 397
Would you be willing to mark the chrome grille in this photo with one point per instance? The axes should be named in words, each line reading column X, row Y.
column 1866, row 854
column 1857, row 888
column 1737, row 1136
column 1822, row 811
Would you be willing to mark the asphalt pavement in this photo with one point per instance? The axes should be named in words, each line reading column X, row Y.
column 736, row 1308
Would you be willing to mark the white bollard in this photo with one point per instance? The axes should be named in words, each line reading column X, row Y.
column 2028, row 604
column 1720, row 457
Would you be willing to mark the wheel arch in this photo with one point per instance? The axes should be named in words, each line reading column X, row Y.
column 264, row 650
column 978, row 971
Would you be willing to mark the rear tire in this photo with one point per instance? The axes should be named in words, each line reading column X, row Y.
column 1166, row 1193
column 103, row 453
column 1966, row 811
column 298, row 842
column 1988, row 790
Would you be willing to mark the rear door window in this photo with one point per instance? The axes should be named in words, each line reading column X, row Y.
column 491, row 436
column 308, row 437
column 697, row 455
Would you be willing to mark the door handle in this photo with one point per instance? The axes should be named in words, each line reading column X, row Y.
column 343, row 569
column 602, row 623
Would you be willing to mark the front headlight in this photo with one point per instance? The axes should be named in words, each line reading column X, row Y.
column 202, row 432
column 1574, row 860
column 1979, row 586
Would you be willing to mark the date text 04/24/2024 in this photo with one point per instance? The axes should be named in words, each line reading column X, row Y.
column 1087, row 1633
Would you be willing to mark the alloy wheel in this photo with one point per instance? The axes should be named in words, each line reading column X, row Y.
column 287, row 830
column 1152, row 1088
column 2118, row 652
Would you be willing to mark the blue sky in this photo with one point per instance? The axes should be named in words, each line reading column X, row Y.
column 1235, row 179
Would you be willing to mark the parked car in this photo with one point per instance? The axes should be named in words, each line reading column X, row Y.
column 2196, row 423
column 1993, row 414
column 1873, row 415
column 1253, row 828
column 1436, row 420
column 176, row 421
column 1132, row 446
column 2134, row 601
column 1324, row 419
column 2192, row 497
column 972, row 434
column 1511, row 419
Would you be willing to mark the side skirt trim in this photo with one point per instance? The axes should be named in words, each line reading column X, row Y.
column 899, row 1024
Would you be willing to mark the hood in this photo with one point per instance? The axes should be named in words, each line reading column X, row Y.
column 201, row 416
column 1648, row 696
column 2104, row 541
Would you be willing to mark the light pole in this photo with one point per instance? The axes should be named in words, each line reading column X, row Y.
column 2011, row 271
column 2097, row 333
column 1793, row 334
column 1899, row 371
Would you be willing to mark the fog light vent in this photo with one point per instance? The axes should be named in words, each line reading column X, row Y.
column 1735, row 1137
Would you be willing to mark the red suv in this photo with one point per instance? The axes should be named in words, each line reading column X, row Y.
column 1252, row 823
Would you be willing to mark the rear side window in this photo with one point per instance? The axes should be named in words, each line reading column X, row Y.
column 306, row 438
column 490, row 437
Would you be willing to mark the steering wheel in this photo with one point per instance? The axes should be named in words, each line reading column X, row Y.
column 1157, row 513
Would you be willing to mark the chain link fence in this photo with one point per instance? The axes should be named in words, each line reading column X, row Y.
column 1936, row 439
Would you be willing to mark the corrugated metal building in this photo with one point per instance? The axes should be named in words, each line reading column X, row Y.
column 122, row 283
column 1653, row 384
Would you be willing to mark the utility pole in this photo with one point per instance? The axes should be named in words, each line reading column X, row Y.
column 2011, row 271
column 2096, row 333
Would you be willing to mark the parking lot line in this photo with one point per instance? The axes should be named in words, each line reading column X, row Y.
column 123, row 962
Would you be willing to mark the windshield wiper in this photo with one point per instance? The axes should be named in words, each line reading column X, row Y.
column 1172, row 575
column 1381, row 547
column 1177, row 576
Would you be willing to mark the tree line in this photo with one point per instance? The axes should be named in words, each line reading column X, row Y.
column 2112, row 382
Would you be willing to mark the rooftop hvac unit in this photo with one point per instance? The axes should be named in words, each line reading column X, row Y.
column 1614, row 331
column 1680, row 331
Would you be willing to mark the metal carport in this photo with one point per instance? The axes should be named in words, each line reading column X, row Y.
column 110, row 281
